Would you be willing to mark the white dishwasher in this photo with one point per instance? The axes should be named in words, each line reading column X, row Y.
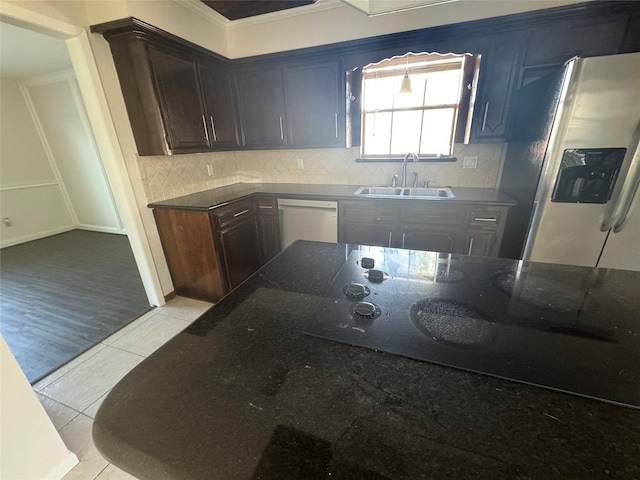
column 307, row 220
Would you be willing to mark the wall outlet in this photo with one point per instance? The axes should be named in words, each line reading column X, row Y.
column 210, row 170
column 300, row 162
column 470, row 162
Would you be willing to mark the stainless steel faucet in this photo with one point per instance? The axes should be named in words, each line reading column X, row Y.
column 415, row 158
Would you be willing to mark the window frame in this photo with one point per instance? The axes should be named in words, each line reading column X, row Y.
column 395, row 66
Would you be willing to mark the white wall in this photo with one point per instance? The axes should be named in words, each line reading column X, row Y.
column 65, row 131
column 30, row 447
column 30, row 194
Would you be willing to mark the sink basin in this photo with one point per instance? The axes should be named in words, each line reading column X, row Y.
column 415, row 192
column 428, row 192
column 379, row 191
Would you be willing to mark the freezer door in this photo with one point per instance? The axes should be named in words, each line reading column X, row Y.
column 601, row 109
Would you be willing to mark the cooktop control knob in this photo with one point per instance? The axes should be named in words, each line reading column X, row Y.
column 356, row 290
column 376, row 275
column 365, row 310
column 367, row 262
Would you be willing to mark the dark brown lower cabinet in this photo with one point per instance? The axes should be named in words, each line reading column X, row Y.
column 483, row 243
column 447, row 239
column 211, row 253
column 473, row 230
column 240, row 250
column 194, row 264
column 268, row 226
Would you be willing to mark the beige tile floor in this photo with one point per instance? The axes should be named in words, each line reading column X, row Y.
column 72, row 394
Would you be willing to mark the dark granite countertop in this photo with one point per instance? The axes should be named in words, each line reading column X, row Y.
column 244, row 393
column 217, row 197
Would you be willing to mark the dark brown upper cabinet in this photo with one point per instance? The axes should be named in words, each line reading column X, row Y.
column 314, row 112
column 261, row 108
column 291, row 106
column 178, row 96
column 220, row 114
column 499, row 72
column 181, row 102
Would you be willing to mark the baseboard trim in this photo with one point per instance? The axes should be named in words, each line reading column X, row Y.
column 98, row 228
column 59, row 471
column 170, row 296
column 36, row 236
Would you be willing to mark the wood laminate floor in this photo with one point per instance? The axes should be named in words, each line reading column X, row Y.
column 63, row 294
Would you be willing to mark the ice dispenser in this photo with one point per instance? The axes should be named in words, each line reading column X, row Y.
column 587, row 175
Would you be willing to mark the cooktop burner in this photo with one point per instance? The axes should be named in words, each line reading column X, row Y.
column 451, row 321
column 527, row 322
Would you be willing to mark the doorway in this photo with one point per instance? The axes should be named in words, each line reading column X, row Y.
column 56, row 203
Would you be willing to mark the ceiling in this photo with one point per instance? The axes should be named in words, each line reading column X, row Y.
column 239, row 9
column 25, row 53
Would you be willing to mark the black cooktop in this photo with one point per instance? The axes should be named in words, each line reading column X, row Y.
column 560, row 328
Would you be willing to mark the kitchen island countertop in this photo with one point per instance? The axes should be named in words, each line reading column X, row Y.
column 217, row 197
column 244, row 393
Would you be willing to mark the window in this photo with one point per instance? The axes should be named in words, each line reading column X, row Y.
column 422, row 121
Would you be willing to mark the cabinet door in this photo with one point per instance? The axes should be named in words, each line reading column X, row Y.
column 220, row 117
column 269, row 226
column 240, row 245
column 313, row 105
column 499, row 71
column 482, row 243
column 447, row 240
column 377, row 235
column 261, row 107
column 179, row 94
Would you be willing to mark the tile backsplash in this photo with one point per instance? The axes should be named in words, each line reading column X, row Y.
column 173, row 176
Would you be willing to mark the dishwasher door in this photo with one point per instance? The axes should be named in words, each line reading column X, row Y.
column 307, row 220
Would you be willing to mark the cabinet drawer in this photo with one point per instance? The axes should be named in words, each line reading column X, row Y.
column 233, row 213
column 370, row 212
column 267, row 206
column 427, row 213
column 490, row 217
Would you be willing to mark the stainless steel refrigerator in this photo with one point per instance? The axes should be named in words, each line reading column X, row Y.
column 573, row 166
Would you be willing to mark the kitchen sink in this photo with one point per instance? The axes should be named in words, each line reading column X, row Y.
column 379, row 191
column 415, row 192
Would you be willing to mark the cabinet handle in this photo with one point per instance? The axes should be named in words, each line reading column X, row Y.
column 240, row 213
column 484, row 118
column 390, row 239
column 269, row 207
column 470, row 246
column 403, row 234
column 336, row 117
column 481, row 219
column 206, row 130
column 281, row 130
column 213, row 129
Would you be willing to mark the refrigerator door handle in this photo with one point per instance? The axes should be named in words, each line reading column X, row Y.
column 620, row 224
column 616, row 217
